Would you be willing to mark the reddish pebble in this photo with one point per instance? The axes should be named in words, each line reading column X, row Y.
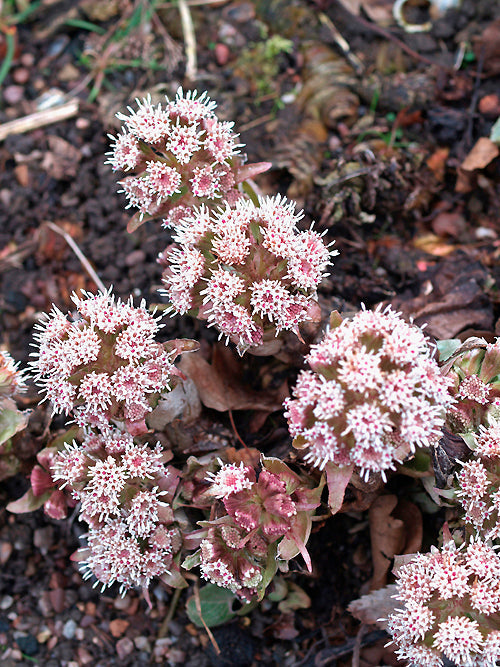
column 27, row 60
column 490, row 105
column 13, row 94
column 222, row 54
column 21, row 75
column 124, row 647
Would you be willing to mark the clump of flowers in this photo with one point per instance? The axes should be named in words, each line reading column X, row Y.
column 181, row 155
column 474, row 371
column 451, row 607
column 125, row 494
column 248, row 270
column 479, row 483
column 373, row 394
column 266, row 522
column 105, row 364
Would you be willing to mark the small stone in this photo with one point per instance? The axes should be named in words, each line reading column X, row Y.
column 6, row 601
column 490, row 105
column 43, row 636
column 80, row 634
column 84, row 656
column 6, row 549
column 69, row 629
column 13, row 94
column 142, row 644
column 27, row 60
column 28, row 645
column 135, row 257
column 118, row 626
column 222, row 54
column 43, row 538
column 124, row 647
column 82, row 123
column 21, row 75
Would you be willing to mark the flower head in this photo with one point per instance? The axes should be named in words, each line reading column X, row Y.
column 245, row 283
column 106, row 362
column 451, row 598
column 178, row 155
column 374, row 394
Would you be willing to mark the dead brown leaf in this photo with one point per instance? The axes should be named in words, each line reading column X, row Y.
column 220, row 383
column 437, row 162
column 452, row 299
column 379, row 11
column 387, row 536
column 374, row 606
column 483, row 152
column 395, row 528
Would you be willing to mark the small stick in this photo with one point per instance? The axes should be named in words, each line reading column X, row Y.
column 197, row 602
column 189, row 40
column 343, row 45
column 171, row 610
column 39, row 119
column 84, row 261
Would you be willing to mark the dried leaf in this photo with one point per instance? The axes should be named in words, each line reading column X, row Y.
column 337, row 480
column 219, row 384
column 387, row 536
column 375, row 607
column 482, row 153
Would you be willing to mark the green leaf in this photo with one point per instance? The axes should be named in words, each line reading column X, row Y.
column 11, row 421
column 28, row 503
column 216, row 606
column 447, row 347
column 495, row 132
column 192, row 561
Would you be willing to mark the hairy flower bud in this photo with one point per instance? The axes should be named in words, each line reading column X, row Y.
column 248, row 270
column 373, row 395
column 105, row 364
column 451, row 601
column 181, row 156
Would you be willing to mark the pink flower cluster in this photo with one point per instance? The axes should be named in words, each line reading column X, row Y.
column 476, row 386
column 103, row 365
column 182, row 155
column 248, row 270
column 264, row 517
column 479, row 483
column 124, row 491
column 451, row 607
column 373, row 394
column 11, row 378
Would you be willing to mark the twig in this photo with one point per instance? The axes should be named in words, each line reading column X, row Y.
column 171, row 611
column 343, row 45
column 357, row 645
column 189, row 40
column 474, row 99
column 197, row 602
column 388, row 35
column 39, row 119
column 230, row 412
column 84, row 261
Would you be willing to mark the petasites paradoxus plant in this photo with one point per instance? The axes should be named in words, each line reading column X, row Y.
column 248, row 270
column 245, row 265
column 180, row 155
column 374, row 393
